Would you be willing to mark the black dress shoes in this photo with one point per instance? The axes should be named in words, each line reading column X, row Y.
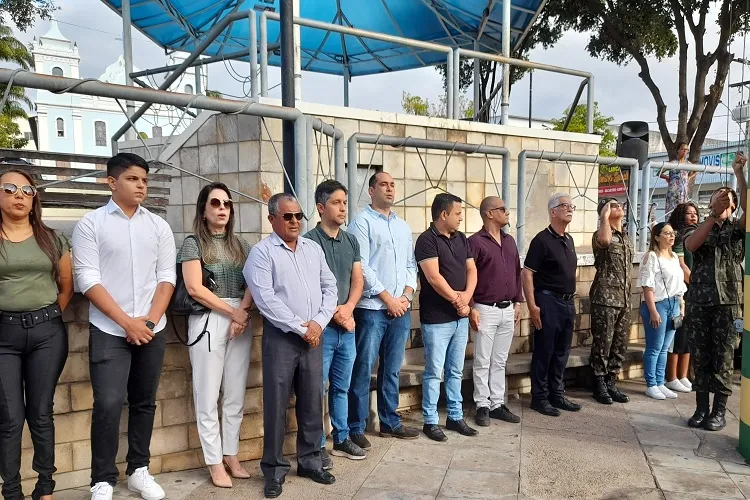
column 565, row 404
column 545, row 408
column 319, row 476
column 272, row 488
column 434, row 432
column 461, row 427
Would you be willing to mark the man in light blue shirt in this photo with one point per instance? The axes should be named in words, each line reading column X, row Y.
column 382, row 315
column 295, row 292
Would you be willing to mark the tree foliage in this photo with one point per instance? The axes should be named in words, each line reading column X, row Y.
column 601, row 127
column 639, row 31
column 420, row 106
column 13, row 51
column 10, row 133
column 25, row 12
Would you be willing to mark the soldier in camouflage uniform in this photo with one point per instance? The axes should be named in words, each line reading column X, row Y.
column 610, row 301
column 714, row 298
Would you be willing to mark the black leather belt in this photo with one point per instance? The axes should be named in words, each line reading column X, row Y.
column 502, row 305
column 561, row 296
column 32, row 318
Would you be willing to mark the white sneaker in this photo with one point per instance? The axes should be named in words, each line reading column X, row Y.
column 669, row 394
column 676, row 385
column 687, row 384
column 101, row 491
column 142, row 482
column 654, row 392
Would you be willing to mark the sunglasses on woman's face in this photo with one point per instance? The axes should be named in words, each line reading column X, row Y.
column 292, row 215
column 216, row 203
column 11, row 189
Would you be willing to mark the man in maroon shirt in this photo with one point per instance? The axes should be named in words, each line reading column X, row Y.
column 495, row 310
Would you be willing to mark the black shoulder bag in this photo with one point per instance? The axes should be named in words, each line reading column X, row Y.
column 182, row 304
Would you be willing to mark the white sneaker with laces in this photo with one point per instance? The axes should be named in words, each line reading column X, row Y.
column 687, row 383
column 676, row 385
column 669, row 394
column 101, row 491
column 143, row 483
column 654, row 392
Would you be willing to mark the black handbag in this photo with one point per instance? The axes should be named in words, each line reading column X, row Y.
column 182, row 304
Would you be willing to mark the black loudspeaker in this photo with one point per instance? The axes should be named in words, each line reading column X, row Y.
column 632, row 141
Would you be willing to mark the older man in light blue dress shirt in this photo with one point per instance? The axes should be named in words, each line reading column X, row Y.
column 296, row 293
column 382, row 315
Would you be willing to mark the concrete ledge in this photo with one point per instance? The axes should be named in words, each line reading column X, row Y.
column 518, row 364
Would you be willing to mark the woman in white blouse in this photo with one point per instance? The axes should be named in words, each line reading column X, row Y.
column 662, row 280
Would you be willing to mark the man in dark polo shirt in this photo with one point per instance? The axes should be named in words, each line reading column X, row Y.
column 549, row 284
column 496, row 309
column 342, row 254
column 448, row 277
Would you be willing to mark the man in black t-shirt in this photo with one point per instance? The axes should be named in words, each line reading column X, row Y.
column 448, row 277
column 549, row 284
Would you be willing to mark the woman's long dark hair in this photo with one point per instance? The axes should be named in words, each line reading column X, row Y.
column 677, row 218
column 200, row 228
column 44, row 236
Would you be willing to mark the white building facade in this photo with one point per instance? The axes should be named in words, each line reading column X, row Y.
column 70, row 123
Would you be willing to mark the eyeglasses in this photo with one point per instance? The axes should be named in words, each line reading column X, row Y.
column 566, row 206
column 216, row 203
column 292, row 215
column 502, row 209
column 29, row 191
column 667, row 233
column 614, row 204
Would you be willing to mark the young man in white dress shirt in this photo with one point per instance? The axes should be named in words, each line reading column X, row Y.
column 124, row 262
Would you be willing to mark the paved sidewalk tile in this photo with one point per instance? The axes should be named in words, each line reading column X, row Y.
column 412, row 479
column 472, row 484
column 696, row 482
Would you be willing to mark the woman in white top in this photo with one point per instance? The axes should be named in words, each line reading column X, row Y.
column 662, row 280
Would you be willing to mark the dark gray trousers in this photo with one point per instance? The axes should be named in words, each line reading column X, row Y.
column 290, row 364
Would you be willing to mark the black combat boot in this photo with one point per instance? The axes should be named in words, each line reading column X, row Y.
column 716, row 421
column 701, row 410
column 600, row 391
column 614, row 392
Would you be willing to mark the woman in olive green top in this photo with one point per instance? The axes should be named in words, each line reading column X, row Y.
column 221, row 358
column 36, row 284
column 685, row 216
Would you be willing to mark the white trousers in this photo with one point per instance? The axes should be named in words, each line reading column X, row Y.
column 491, row 345
column 225, row 369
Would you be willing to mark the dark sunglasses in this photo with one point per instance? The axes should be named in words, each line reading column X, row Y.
column 216, row 203
column 29, row 191
column 292, row 215
column 502, row 209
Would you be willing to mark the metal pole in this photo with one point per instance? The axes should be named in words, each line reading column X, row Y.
column 449, row 86
column 346, row 86
column 645, row 195
column 287, row 87
column 127, row 42
column 590, row 105
column 531, row 94
column 352, row 151
column 506, row 67
column 340, row 161
column 202, row 62
column 477, row 82
column 456, row 84
column 298, row 174
column 263, row 55
column 307, row 195
column 253, row 55
column 505, row 190
column 633, row 197
column 208, row 40
column 521, row 203
column 297, row 54
column 198, row 90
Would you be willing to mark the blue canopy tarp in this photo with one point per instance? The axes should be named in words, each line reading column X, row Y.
column 180, row 24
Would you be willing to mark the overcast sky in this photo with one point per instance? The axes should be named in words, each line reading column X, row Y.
column 619, row 91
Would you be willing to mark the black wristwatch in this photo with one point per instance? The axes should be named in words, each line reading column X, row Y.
column 150, row 325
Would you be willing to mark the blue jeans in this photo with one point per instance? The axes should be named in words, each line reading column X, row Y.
column 377, row 334
column 339, row 351
column 658, row 339
column 444, row 349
